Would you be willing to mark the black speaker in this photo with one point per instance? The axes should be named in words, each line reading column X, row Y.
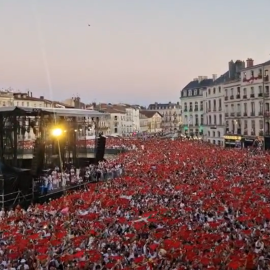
column 38, row 158
column 101, row 143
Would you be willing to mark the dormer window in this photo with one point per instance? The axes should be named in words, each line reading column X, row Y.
column 252, row 73
column 190, row 93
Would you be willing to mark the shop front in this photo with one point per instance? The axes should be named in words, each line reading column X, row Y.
column 233, row 141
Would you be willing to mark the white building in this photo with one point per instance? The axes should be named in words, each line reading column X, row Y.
column 214, row 111
column 6, row 99
column 171, row 113
column 254, row 104
column 192, row 102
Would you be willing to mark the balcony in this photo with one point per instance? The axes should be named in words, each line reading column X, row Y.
column 238, row 96
column 226, row 114
column 266, row 94
column 226, row 98
column 252, row 95
column 252, row 114
column 245, row 114
column 260, row 95
column 232, row 113
column 231, row 97
column 244, row 96
column 238, row 113
column 266, row 78
column 260, row 113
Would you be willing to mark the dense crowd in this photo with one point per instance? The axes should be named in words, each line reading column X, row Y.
column 70, row 175
column 180, row 205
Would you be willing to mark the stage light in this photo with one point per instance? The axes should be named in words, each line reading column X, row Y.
column 57, row 132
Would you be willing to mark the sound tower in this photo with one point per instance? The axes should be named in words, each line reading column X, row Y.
column 100, row 151
column 38, row 157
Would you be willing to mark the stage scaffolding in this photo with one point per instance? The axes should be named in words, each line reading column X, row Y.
column 22, row 127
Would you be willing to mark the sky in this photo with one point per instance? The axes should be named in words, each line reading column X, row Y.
column 135, row 51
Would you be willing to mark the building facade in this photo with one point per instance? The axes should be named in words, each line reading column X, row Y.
column 171, row 114
column 192, row 101
column 214, row 111
column 154, row 120
column 254, row 105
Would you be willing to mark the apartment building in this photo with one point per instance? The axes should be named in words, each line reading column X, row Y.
column 192, row 101
column 171, row 114
column 214, row 111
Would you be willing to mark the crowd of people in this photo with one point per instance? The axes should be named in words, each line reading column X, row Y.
column 180, row 205
column 55, row 179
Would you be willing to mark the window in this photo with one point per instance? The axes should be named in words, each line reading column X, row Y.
column 261, row 124
column 260, row 89
column 195, row 93
column 245, row 124
column 252, row 107
column 215, row 105
column 220, row 104
column 209, row 91
column 196, row 106
column 218, row 136
column 202, row 119
column 252, row 73
column 245, row 108
column 239, row 108
column 201, row 105
column 214, row 134
column 261, row 107
column 226, row 92
column 226, row 109
column 185, row 106
column 232, row 92
column 232, row 108
column 253, row 131
column 219, row 89
column 220, row 119
column 214, row 90
column 209, row 105
column 189, row 93
column 27, row 104
column 190, row 106
column 210, row 120
column 252, row 90
column 115, row 130
column 238, row 90
column 196, row 120
column 186, row 120
column 201, row 92
column 185, row 93
column 245, row 91
column 215, row 119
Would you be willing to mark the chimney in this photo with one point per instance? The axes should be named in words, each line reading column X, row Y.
column 250, row 62
column 214, row 77
column 200, row 78
column 41, row 97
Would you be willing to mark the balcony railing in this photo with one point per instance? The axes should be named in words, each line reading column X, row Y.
column 238, row 113
column 232, row 114
column 260, row 113
column 260, row 95
column 190, row 109
column 244, row 96
column 252, row 95
column 226, row 98
column 252, row 114
column 245, row 114
column 185, row 110
column 238, row 96
column 266, row 78
column 196, row 109
column 231, row 97
column 226, row 114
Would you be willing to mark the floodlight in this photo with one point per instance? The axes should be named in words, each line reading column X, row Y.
column 57, row 132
